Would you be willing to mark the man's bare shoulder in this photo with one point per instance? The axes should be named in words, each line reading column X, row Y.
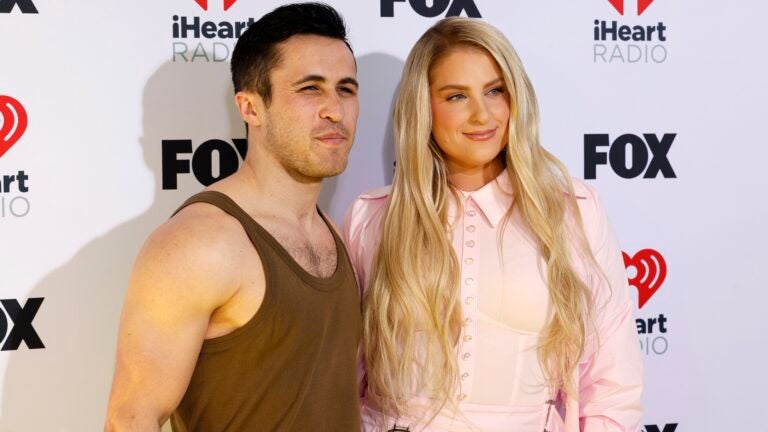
column 199, row 250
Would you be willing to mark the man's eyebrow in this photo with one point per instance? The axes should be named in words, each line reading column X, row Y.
column 461, row 87
column 322, row 79
column 349, row 80
column 309, row 78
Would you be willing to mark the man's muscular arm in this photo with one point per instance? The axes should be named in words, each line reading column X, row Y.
column 184, row 272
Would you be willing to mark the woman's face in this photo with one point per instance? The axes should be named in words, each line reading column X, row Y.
column 470, row 109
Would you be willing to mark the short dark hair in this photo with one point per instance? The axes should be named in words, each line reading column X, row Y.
column 256, row 52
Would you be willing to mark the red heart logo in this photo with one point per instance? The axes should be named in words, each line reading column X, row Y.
column 13, row 122
column 642, row 5
column 618, row 5
column 204, row 4
column 651, row 272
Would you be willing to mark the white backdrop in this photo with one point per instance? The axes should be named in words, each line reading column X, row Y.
column 101, row 89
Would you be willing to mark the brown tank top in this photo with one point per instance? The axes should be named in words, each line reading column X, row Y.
column 292, row 367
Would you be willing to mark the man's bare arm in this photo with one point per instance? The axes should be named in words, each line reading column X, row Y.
column 181, row 276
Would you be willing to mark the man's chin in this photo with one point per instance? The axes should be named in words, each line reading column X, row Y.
column 333, row 169
column 335, row 172
column 317, row 174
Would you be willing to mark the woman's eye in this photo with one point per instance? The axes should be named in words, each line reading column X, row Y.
column 496, row 91
column 457, row 96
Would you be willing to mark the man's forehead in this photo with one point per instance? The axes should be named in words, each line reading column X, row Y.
column 316, row 55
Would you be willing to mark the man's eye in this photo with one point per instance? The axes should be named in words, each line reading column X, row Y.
column 309, row 88
column 348, row 90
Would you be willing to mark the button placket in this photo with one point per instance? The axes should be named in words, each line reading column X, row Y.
column 468, row 290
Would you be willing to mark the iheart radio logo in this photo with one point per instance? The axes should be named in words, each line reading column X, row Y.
column 13, row 122
column 651, row 272
column 204, row 4
column 642, row 5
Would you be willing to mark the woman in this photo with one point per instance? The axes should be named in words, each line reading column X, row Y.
column 495, row 297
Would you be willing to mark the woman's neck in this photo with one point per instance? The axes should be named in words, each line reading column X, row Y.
column 472, row 179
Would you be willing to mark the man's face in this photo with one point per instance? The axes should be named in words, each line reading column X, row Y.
column 310, row 122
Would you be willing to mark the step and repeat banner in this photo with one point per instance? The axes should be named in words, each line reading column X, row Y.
column 113, row 112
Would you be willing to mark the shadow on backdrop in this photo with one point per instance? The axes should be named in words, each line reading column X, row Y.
column 66, row 388
column 371, row 161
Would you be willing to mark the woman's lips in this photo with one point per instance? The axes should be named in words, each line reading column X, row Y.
column 481, row 135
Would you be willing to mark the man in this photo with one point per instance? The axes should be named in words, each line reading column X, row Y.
column 242, row 312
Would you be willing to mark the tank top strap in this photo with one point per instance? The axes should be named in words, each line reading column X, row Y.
column 256, row 233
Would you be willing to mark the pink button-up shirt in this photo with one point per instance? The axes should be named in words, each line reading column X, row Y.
column 506, row 308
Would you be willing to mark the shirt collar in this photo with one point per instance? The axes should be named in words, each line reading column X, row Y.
column 492, row 200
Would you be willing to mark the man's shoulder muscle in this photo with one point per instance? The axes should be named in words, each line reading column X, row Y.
column 197, row 251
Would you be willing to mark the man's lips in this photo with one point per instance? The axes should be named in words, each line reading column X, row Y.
column 332, row 138
column 481, row 135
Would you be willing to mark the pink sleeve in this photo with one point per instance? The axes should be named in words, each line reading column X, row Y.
column 361, row 236
column 361, row 232
column 611, row 371
column 350, row 235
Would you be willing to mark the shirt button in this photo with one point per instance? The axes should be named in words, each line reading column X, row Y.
column 469, row 300
column 462, row 396
column 466, row 356
column 467, row 321
column 469, row 261
column 471, row 243
column 465, row 375
column 469, row 281
column 467, row 338
column 471, row 228
column 471, row 213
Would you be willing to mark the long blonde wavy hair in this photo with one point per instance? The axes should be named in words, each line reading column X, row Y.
column 412, row 314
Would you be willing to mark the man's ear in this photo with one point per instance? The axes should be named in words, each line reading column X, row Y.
column 251, row 107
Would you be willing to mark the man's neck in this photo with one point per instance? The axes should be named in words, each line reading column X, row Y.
column 272, row 191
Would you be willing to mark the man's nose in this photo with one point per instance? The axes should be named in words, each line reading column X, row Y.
column 332, row 108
